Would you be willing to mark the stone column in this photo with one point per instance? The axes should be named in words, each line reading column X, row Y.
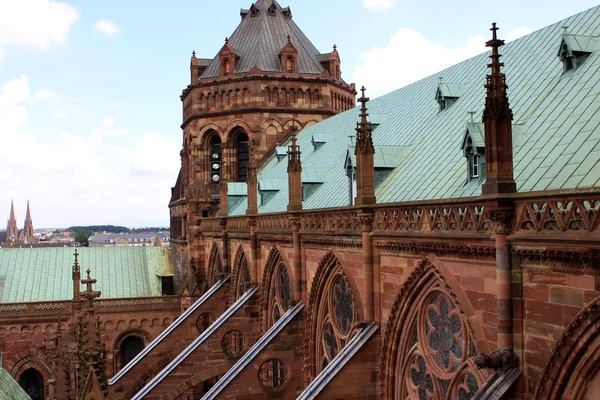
column 297, row 259
column 366, row 221
column 294, row 174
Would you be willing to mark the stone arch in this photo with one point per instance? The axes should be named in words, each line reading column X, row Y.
column 574, row 361
column 120, row 338
column 238, row 141
column 215, row 266
column 331, row 274
column 37, row 362
column 206, row 374
column 276, row 263
column 232, row 129
column 431, row 288
column 240, row 274
column 32, row 359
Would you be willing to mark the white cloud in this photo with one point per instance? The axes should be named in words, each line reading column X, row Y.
column 61, row 115
column 45, row 94
column 517, row 33
column 107, row 27
column 379, row 4
column 34, row 23
column 409, row 57
column 77, row 178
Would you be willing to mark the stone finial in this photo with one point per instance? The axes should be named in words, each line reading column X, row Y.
column 193, row 53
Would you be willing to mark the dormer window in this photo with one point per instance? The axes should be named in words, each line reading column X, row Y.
column 272, row 9
column 474, row 152
column 575, row 49
column 253, row 11
column 476, row 165
column 226, row 67
column 448, row 93
column 289, row 64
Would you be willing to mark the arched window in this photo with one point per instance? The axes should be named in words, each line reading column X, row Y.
column 280, row 294
column 430, row 350
column 289, row 64
column 242, row 276
column 32, row 383
column 130, row 347
column 332, row 314
column 215, row 158
column 216, row 269
column 242, row 156
column 226, row 67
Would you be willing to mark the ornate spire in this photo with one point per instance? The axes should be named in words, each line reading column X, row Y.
column 496, row 104
column 497, row 118
column 364, row 141
column 90, row 294
column 12, row 210
column 294, row 162
column 365, row 164
column 294, row 173
column 28, row 216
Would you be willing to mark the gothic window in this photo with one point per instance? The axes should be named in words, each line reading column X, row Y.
column 272, row 374
column 280, row 294
column 242, row 279
column 474, row 152
column 216, row 268
column 439, row 360
column 337, row 314
column 32, row 383
column 130, row 347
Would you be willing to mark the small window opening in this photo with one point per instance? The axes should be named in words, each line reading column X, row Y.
column 226, row 67
column 289, row 64
column 476, row 166
column 168, row 288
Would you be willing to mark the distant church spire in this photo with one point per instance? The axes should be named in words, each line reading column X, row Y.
column 11, row 229
column 28, row 228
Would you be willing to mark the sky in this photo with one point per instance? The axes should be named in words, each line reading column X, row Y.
column 90, row 112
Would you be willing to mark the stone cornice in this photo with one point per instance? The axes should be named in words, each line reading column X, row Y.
column 258, row 110
column 480, row 252
column 246, row 78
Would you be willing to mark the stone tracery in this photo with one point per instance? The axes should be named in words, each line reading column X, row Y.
column 332, row 313
column 429, row 349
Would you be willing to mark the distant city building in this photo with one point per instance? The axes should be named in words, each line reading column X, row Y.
column 130, row 239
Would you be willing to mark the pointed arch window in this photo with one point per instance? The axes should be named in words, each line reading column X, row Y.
column 337, row 315
column 280, row 294
column 242, row 278
column 439, row 359
column 32, row 383
column 217, row 270
column 215, row 159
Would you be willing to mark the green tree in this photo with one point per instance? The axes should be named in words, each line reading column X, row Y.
column 82, row 236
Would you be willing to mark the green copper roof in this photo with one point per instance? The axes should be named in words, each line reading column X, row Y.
column 556, row 127
column 45, row 274
column 9, row 388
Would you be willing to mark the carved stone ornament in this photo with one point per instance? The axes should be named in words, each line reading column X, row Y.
column 501, row 220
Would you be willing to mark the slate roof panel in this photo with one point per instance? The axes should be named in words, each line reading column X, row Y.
column 258, row 41
column 556, row 116
column 9, row 388
column 44, row 274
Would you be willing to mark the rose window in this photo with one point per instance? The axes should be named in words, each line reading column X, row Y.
column 439, row 363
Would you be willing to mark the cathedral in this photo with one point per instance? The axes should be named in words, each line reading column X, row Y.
column 14, row 237
column 439, row 242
